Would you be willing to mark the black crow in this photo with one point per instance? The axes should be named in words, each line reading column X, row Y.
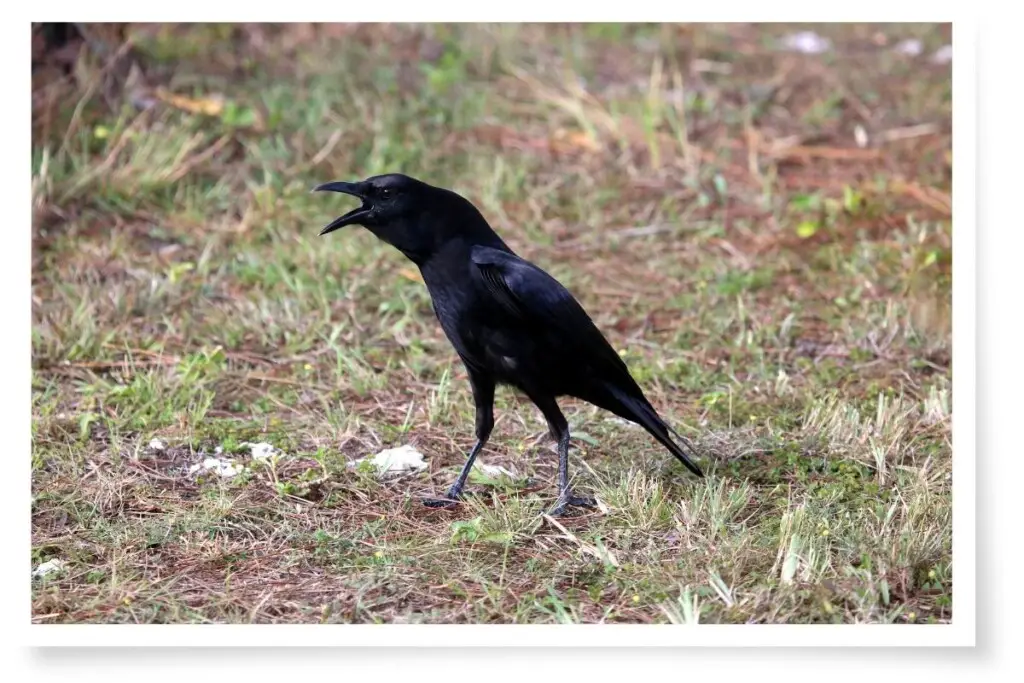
column 510, row 322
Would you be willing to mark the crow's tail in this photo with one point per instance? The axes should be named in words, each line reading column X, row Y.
column 640, row 411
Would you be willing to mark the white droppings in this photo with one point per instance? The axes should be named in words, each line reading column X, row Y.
column 262, row 450
column 910, row 47
column 860, row 136
column 494, row 471
column 48, row 567
column 944, row 55
column 396, row 460
column 219, row 466
column 807, row 42
column 157, row 444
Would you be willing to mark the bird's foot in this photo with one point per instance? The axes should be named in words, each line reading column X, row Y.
column 440, row 502
column 567, row 500
column 450, row 500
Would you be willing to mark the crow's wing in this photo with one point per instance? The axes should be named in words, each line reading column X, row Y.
column 541, row 303
column 550, row 312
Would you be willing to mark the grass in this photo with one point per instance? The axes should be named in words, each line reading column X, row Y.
column 782, row 294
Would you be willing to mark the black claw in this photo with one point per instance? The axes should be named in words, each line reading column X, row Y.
column 440, row 502
column 567, row 501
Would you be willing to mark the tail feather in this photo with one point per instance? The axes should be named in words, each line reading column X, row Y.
column 640, row 411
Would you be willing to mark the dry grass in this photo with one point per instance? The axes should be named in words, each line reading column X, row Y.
column 782, row 293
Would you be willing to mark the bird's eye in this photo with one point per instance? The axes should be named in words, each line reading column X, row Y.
column 386, row 192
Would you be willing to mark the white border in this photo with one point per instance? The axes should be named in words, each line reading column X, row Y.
column 965, row 231
column 960, row 632
column 529, row 635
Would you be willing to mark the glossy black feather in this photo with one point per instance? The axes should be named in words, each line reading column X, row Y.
column 584, row 364
column 509, row 321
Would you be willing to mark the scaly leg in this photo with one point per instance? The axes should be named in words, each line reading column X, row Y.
column 560, row 429
column 483, row 397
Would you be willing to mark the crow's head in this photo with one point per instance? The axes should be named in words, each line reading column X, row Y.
column 416, row 218
column 386, row 200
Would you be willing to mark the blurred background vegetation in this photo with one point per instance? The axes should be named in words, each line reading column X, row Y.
column 759, row 216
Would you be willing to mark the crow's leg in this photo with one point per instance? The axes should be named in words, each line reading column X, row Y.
column 560, row 429
column 483, row 397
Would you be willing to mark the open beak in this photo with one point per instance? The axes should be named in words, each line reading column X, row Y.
column 355, row 215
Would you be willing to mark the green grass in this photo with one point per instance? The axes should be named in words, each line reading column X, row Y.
column 782, row 295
